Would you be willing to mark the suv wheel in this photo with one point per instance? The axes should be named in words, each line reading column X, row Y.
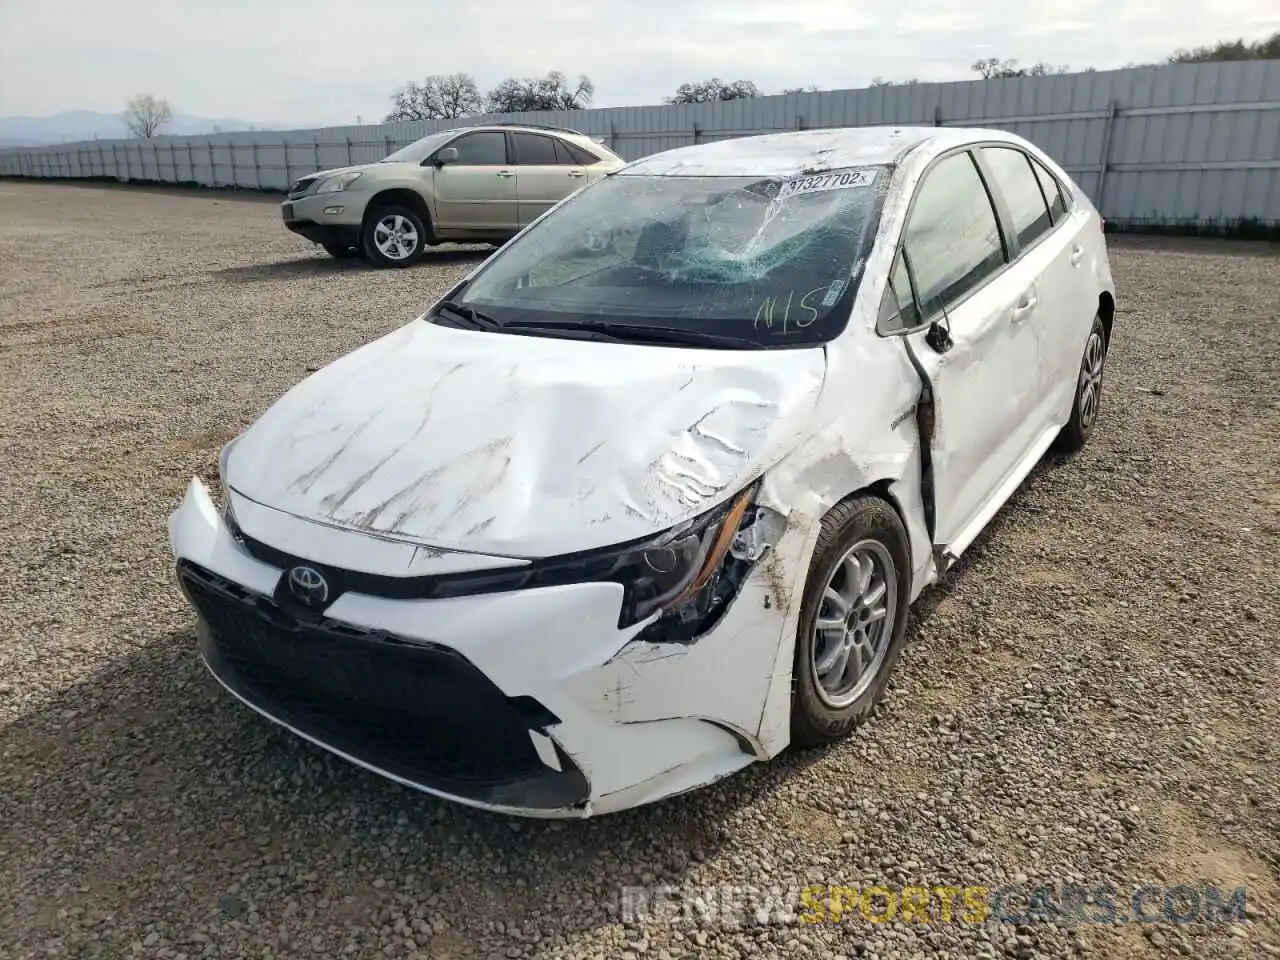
column 394, row 236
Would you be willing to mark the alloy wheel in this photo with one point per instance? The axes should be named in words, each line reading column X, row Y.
column 854, row 623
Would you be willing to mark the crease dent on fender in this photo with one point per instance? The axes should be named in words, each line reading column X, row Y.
column 702, row 460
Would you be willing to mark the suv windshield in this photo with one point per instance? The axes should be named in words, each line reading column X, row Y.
column 756, row 261
column 419, row 150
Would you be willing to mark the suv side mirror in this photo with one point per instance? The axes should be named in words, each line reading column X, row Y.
column 447, row 155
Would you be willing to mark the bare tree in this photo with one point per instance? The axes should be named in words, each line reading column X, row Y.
column 882, row 82
column 993, row 68
column 714, row 89
column 552, row 92
column 145, row 114
column 439, row 97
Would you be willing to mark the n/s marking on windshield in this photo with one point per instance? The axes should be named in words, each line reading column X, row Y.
column 767, row 314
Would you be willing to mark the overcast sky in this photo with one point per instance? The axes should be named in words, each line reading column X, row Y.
column 323, row 61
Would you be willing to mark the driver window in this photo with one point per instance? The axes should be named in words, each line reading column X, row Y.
column 953, row 238
column 481, row 149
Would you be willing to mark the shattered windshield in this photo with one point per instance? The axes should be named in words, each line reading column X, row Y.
column 775, row 261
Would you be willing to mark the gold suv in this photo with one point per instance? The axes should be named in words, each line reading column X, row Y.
column 480, row 184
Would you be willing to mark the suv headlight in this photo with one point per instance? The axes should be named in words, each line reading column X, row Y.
column 339, row 182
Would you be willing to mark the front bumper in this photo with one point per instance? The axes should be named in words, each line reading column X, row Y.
column 529, row 702
column 326, row 218
column 418, row 712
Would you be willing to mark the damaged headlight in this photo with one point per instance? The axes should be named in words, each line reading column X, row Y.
column 224, row 489
column 682, row 579
column 688, row 573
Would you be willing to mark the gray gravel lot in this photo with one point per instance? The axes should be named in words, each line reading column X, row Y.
column 1090, row 698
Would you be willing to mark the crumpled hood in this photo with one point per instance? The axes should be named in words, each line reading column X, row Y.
column 523, row 446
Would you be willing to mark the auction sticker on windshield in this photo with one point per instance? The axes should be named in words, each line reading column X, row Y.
column 831, row 180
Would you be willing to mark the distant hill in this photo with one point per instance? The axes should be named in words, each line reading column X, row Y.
column 72, row 125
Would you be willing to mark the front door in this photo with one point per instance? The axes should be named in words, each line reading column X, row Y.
column 985, row 385
column 477, row 191
column 547, row 174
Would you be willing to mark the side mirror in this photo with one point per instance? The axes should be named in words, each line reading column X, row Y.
column 447, row 155
column 939, row 337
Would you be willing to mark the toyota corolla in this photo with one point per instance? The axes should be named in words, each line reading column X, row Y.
column 647, row 496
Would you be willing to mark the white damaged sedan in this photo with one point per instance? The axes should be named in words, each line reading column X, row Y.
column 647, row 496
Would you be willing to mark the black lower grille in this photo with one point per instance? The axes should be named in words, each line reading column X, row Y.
column 418, row 711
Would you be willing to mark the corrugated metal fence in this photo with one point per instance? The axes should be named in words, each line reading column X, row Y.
column 1194, row 144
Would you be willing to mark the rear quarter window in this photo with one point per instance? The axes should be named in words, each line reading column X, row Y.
column 577, row 154
column 1055, row 193
column 1021, row 190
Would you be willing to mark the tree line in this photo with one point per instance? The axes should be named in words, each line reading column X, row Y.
column 452, row 96
column 448, row 96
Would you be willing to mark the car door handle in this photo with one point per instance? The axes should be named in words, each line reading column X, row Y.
column 1026, row 306
column 1077, row 254
column 576, row 173
column 505, row 173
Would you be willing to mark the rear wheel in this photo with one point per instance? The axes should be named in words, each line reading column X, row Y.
column 852, row 622
column 394, row 236
column 1088, row 401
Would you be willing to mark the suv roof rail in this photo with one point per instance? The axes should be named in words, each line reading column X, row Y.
column 534, row 126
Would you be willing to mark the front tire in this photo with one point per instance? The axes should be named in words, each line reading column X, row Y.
column 1088, row 390
column 394, row 236
column 852, row 622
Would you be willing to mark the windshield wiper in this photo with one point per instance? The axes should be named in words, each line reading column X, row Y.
column 636, row 333
column 474, row 318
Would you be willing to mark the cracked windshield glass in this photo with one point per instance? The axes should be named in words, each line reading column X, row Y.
column 768, row 260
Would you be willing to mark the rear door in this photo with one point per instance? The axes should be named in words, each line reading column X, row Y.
column 548, row 172
column 1045, row 238
column 477, row 192
column 953, row 272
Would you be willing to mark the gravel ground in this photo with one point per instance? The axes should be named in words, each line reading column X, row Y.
column 1090, row 697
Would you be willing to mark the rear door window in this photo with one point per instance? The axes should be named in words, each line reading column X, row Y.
column 534, row 150
column 1017, row 183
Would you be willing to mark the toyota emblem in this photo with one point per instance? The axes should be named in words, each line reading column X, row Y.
column 309, row 585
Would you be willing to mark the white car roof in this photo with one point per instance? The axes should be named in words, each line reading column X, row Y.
column 804, row 151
